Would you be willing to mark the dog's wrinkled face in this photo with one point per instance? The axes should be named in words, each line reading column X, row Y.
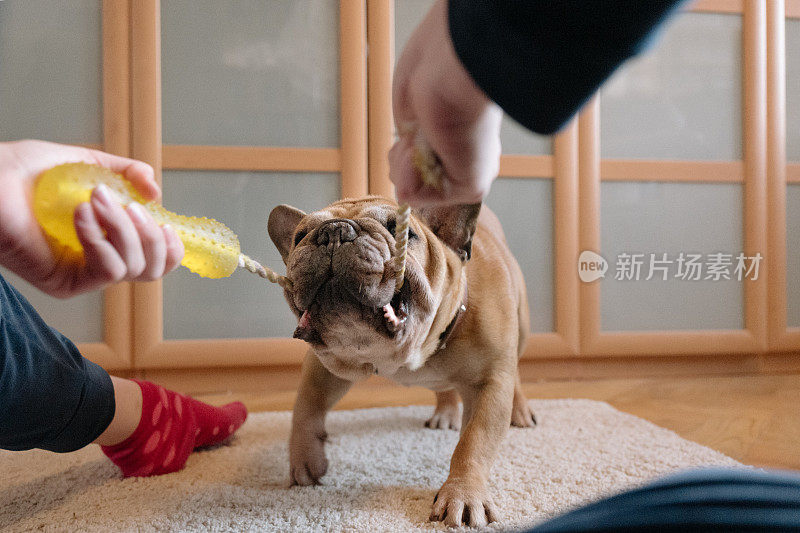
column 341, row 263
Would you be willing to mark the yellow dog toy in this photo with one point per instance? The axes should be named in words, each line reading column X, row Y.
column 212, row 249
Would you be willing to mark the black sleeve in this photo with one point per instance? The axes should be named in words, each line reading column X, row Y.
column 50, row 396
column 540, row 60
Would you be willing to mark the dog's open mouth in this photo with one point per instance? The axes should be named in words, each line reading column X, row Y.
column 395, row 313
column 389, row 318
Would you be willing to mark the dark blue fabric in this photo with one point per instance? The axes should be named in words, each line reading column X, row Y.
column 50, row 396
column 540, row 60
column 701, row 500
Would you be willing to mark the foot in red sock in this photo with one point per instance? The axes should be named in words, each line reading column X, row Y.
column 172, row 425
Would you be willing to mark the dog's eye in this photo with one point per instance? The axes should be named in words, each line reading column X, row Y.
column 391, row 225
column 299, row 236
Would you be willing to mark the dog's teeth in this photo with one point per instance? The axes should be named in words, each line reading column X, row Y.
column 391, row 317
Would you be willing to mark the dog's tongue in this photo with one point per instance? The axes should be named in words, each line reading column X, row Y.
column 305, row 321
column 305, row 330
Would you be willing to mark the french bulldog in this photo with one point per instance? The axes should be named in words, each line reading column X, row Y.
column 457, row 326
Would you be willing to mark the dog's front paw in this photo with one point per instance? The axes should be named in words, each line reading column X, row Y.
column 462, row 502
column 307, row 462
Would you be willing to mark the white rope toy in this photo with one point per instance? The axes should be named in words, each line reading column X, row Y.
column 251, row 265
column 427, row 163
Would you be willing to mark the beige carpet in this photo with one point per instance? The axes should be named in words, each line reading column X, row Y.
column 384, row 470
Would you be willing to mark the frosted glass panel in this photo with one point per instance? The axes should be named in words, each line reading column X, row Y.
column 249, row 72
column 793, row 89
column 50, row 71
column 529, row 232
column 407, row 15
column 515, row 138
column 793, row 255
column 682, row 98
column 657, row 218
column 79, row 318
column 242, row 305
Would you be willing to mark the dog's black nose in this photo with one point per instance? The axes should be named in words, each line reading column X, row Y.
column 335, row 232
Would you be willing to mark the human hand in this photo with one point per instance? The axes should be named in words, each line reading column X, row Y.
column 435, row 97
column 120, row 244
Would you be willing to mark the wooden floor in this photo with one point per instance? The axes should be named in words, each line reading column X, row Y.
column 755, row 420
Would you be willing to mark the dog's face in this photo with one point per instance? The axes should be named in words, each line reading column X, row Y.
column 341, row 263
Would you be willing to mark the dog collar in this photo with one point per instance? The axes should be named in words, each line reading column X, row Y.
column 448, row 331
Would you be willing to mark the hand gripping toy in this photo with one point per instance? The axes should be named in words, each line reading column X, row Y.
column 212, row 249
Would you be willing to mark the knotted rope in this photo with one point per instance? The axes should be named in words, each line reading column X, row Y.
column 427, row 163
column 251, row 265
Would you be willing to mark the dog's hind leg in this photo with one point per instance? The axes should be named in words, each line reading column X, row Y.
column 447, row 414
column 521, row 414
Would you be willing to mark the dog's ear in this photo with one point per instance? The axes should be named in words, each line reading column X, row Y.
column 283, row 221
column 454, row 225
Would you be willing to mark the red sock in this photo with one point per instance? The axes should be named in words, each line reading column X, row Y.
column 172, row 425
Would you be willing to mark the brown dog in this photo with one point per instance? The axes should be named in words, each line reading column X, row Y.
column 457, row 326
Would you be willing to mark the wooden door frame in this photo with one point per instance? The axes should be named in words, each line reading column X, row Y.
column 151, row 350
column 114, row 352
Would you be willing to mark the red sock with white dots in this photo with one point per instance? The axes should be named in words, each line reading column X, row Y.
column 172, row 425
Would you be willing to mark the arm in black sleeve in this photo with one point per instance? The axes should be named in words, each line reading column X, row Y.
column 540, row 60
column 50, row 396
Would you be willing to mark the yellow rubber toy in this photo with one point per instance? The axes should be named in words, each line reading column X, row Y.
column 212, row 249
